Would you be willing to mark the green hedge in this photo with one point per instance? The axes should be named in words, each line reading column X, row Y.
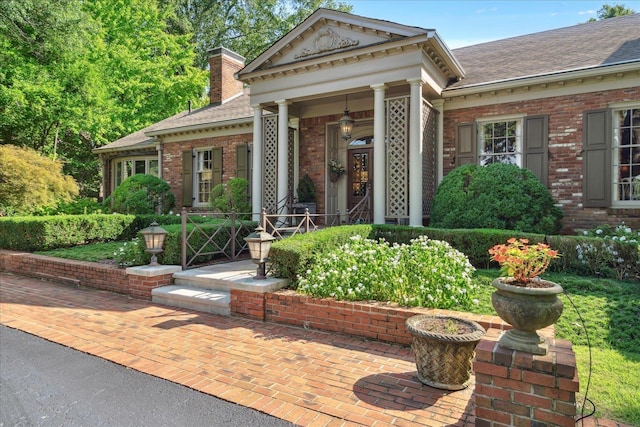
column 31, row 233
column 293, row 256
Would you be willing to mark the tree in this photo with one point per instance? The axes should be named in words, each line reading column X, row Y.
column 29, row 181
column 608, row 11
column 245, row 26
column 76, row 75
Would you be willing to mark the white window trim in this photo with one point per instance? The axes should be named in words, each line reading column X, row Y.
column 518, row 118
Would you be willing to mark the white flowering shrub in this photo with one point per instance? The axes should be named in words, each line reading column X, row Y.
column 616, row 252
column 132, row 253
column 426, row 273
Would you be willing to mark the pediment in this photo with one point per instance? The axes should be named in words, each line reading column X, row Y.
column 327, row 32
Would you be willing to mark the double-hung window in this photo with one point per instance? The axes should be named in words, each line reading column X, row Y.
column 204, row 168
column 500, row 142
column 518, row 140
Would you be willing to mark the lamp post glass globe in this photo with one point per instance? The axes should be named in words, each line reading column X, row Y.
column 154, row 236
column 259, row 243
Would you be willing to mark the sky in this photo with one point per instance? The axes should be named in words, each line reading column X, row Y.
column 463, row 23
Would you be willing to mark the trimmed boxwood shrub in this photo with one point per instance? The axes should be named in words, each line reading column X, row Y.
column 141, row 194
column 499, row 196
column 292, row 257
column 30, row 233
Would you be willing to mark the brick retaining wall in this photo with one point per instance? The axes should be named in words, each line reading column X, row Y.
column 81, row 273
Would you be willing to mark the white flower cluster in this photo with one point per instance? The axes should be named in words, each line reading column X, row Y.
column 425, row 272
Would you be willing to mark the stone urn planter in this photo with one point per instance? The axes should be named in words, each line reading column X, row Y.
column 528, row 309
column 444, row 347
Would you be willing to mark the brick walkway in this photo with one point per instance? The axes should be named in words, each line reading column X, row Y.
column 307, row 377
column 310, row 378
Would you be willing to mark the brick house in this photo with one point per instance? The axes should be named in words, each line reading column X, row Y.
column 563, row 103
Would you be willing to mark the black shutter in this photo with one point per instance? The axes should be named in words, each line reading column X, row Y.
column 216, row 166
column 242, row 164
column 187, row 178
column 536, row 146
column 596, row 142
column 466, row 144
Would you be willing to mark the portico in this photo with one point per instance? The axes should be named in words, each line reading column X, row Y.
column 391, row 76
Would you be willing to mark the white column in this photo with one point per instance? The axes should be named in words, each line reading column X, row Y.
column 256, row 153
column 283, row 143
column 379, row 155
column 438, row 104
column 415, row 154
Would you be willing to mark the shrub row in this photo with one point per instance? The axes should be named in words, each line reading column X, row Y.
column 30, row 233
column 580, row 255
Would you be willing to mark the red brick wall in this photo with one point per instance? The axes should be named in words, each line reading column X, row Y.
column 565, row 146
column 172, row 158
column 522, row 389
column 375, row 321
column 81, row 273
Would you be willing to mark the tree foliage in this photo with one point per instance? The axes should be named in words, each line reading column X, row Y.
column 247, row 27
column 76, row 75
column 608, row 11
column 29, row 181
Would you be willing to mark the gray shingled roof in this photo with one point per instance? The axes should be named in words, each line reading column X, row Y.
column 236, row 109
column 216, row 114
column 587, row 45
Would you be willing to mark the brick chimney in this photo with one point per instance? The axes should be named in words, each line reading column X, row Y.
column 223, row 64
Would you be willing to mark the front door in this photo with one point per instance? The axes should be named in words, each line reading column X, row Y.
column 359, row 175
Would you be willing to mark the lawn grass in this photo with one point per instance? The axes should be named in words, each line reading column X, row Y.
column 611, row 313
column 93, row 252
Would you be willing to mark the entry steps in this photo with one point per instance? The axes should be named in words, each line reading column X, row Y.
column 207, row 289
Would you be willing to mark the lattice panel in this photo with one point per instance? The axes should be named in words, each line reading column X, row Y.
column 429, row 159
column 397, row 157
column 270, row 165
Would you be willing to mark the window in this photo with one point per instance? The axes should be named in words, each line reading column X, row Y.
column 204, row 175
column 124, row 168
column 201, row 172
column 626, row 154
column 521, row 141
column 500, row 142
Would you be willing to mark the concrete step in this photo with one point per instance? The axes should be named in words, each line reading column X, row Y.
column 193, row 298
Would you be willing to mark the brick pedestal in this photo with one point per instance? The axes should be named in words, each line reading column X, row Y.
column 514, row 388
column 145, row 278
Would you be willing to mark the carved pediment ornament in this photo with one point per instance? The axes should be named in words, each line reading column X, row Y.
column 325, row 41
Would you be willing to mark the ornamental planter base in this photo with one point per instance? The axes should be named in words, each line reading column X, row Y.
column 529, row 342
column 527, row 309
column 444, row 360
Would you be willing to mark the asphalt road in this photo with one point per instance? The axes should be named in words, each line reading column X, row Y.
column 46, row 384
